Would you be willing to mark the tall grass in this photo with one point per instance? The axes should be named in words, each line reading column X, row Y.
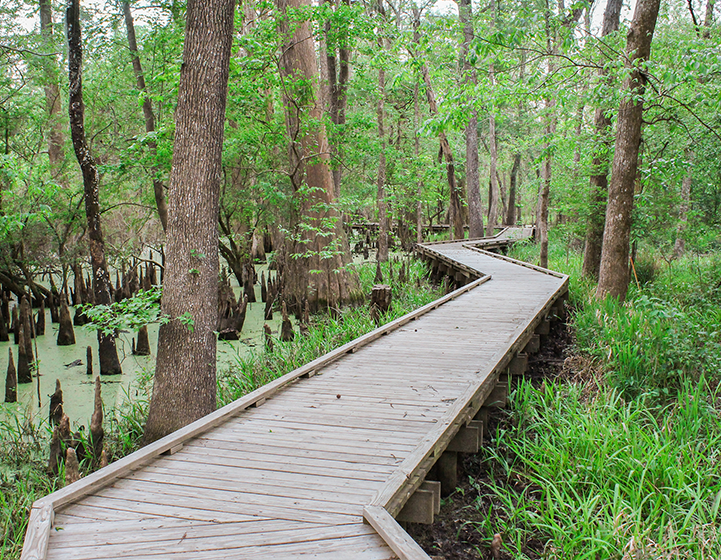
column 632, row 471
column 605, row 477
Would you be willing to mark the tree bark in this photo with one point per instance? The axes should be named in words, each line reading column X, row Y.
column 107, row 353
column 708, row 19
column 469, row 78
column 158, row 187
column 381, row 179
column 52, row 93
column 185, row 382
column 613, row 277
column 317, row 252
column 511, row 210
column 599, row 169
column 454, row 212
column 493, row 193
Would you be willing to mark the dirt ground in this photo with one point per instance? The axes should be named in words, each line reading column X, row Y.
column 453, row 535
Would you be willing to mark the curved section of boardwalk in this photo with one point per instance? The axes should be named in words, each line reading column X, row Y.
column 316, row 464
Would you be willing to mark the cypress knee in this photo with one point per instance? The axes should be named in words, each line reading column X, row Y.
column 286, row 330
column 26, row 319
column 56, row 404
column 54, row 313
column 11, row 380
column 24, row 374
column 72, row 467
column 268, row 338
column 66, row 334
column 263, row 288
column 96, row 424
column 142, row 348
column 89, row 360
column 381, row 297
column 61, row 435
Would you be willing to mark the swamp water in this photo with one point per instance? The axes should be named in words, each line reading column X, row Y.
column 78, row 387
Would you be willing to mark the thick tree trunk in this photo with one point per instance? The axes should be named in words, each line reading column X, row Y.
column 599, row 169
column 158, row 187
column 317, row 252
column 52, row 93
column 613, row 277
column 511, row 210
column 454, row 212
column 107, row 353
column 473, row 186
column 185, row 383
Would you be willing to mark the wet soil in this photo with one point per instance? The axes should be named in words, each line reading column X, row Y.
column 458, row 533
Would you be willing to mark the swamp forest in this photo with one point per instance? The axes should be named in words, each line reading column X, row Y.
column 198, row 197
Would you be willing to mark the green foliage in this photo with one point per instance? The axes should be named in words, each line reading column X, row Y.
column 600, row 477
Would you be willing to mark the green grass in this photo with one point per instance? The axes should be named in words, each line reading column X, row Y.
column 600, row 477
column 629, row 466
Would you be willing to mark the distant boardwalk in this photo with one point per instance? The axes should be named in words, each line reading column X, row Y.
column 318, row 464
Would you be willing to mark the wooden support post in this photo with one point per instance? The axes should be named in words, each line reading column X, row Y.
column 544, row 327
column 533, row 345
column 419, row 508
column 447, row 472
column 498, row 397
column 518, row 364
column 468, row 438
column 435, row 487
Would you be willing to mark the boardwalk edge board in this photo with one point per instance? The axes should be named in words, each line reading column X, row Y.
column 42, row 512
column 410, row 473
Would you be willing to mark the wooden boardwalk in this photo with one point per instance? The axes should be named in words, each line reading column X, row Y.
column 318, row 464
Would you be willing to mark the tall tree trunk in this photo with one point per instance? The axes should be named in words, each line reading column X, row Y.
column 708, row 19
column 107, row 353
column 158, row 187
column 336, row 68
column 317, row 252
column 417, row 152
column 511, row 210
column 185, row 384
column 454, row 212
column 473, row 187
column 493, row 192
column 613, row 277
column 679, row 246
column 52, row 93
column 599, row 169
column 381, row 179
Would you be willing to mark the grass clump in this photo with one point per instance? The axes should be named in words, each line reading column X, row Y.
column 605, row 477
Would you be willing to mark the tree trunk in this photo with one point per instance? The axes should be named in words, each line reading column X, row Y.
column 545, row 187
column 158, row 187
column 317, row 250
column 185, row 383
column 107, row 353
column 381, row 179
column 454, row 212
column 599, row 169
column 52, row 93
column 416, row 135
column 511, row 210
column 708, row 19
column 613, row 277
column 473, row 187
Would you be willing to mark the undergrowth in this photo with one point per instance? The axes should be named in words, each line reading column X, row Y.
column 628, row 466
